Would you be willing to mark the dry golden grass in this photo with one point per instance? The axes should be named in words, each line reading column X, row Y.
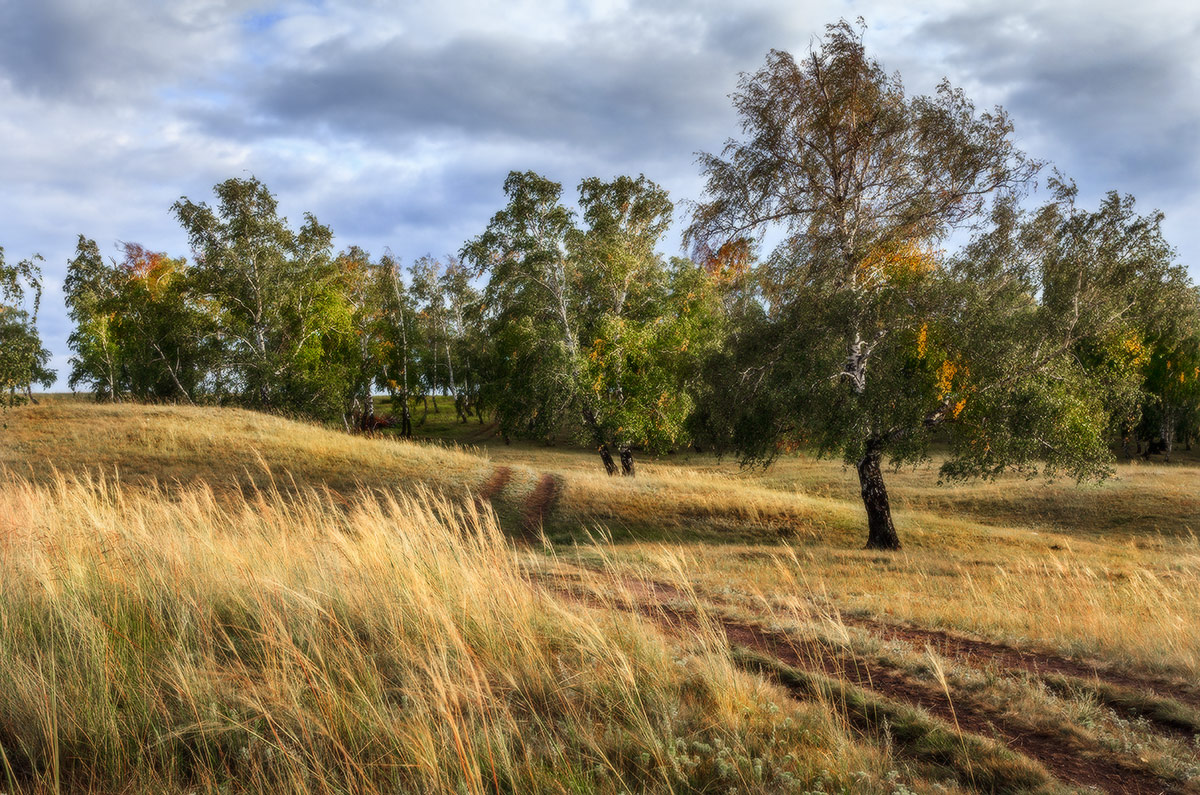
column 176, row 641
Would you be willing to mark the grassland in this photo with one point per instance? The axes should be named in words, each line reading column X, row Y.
column 203, row 599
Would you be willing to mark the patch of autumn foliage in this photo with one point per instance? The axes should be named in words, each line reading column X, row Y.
column 896, row 261
column 729, row 262
column 152, row 268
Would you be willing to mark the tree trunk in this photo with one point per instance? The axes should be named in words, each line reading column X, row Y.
column 881, row 533
column 626, row 461
column 609, row 465
column 1167, row 430
column 367, row 421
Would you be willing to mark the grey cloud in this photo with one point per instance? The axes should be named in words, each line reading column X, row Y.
column 1118, row 102
column 396, row 125
column 80, row 49
column 486, row 89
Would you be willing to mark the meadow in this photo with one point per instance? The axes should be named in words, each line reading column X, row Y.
column 215, row 600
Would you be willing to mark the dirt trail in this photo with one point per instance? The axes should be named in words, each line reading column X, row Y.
column 1064, row 762
column 494, row 485
column 1099, row 769
column 982, row 653
column 540, row 502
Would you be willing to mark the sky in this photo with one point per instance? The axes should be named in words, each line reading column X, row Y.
column 396, row 122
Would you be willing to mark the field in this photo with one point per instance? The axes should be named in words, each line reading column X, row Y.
column 213, row 600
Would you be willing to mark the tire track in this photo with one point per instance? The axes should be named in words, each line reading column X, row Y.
column 493, row 486
column 1072, row 759
column 981, row 653
column 540, row 502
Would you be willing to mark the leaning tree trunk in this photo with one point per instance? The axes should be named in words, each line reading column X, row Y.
column 606, row 456
column 881, row 534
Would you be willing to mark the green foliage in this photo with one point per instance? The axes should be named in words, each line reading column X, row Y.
column 869, row 338
column 592, row 331
column 91, row 292
column 141, row 331
column 277, row 298
column 23, row 359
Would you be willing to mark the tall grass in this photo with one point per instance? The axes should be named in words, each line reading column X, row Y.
column 1134, row 607
column 177, row 641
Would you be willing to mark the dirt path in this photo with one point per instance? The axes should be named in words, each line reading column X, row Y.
column 1068, row 758
column 982, row 653
column 494, row 485
column 540, row 502
column 1064, row 762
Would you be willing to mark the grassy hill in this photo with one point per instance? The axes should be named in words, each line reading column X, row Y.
column 268, row 605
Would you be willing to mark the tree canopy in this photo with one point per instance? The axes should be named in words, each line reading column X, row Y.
column 592, row 326
column 24, row 360
column 869, row 337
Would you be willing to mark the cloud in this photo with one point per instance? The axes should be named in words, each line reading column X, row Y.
column 1110, row 96
column 81, row 51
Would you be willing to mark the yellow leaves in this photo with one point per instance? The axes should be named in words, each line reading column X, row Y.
column 1135, row 349
column 922, row 340
column 952, row 378
column 893, row 261
column 597, row 350
column 945, row 378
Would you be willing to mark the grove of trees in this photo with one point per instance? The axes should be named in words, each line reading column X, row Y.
column 1057, row 335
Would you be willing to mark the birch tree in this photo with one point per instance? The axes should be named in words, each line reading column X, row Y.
column 281, row 312
column 23, row 359
column 591, row 328
column 869, row 337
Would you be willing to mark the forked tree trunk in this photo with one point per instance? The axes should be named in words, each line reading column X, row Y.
column 881, row 534
column 626, row 461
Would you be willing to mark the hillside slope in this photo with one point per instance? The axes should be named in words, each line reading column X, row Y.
column 1014, row 645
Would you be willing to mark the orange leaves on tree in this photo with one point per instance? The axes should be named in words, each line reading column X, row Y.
column 895, row 261
column 730, row 261
column 154, row 269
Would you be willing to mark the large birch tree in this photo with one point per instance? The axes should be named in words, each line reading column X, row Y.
column 869, row 338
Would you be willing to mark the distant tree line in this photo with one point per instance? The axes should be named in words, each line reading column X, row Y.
column 1056, row 335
